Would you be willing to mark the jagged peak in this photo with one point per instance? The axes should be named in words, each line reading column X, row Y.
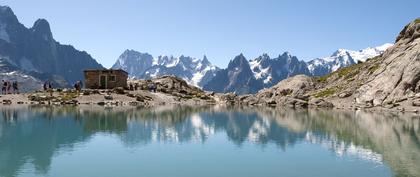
column 131, row 52
column 42, row 27
column 239, row 60
column 341, row 52
column 205, row 61
column 285, row 55
column 6, row 14
column 6, row 10
column 264, row 56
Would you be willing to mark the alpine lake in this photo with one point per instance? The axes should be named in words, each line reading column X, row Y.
column 179, row 141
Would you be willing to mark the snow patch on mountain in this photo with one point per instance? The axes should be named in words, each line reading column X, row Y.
column 363, row 55
column 343, row 58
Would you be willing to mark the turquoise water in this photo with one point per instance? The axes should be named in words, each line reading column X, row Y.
column 208, row 141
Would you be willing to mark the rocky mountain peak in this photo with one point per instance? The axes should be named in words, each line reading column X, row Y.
column 285, row 55
column 130, row 51
column 130, row 54
column 42, row 28
column 341, row 52
column 205, row 61
column 7, row 15
column 410, row 31
column 263, row 57
column 239, row 61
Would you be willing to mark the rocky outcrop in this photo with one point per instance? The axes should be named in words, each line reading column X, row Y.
column 398, row 71
column 291, row 92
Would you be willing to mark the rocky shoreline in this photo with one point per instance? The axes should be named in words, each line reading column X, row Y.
column 170, row 90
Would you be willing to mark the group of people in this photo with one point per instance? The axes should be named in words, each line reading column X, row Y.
column 9, row 87
column 48, row 85
column 152, row 87
column 134, row 87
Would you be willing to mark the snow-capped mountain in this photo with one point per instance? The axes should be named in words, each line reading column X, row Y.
column 135, row 63
column 343, row 58
column 272, row 70
column 144, row 66
column 243, row 76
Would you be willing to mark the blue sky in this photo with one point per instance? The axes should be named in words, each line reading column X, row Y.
column 220, row 29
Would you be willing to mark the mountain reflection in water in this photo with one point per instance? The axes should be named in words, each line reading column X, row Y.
column 36, row 134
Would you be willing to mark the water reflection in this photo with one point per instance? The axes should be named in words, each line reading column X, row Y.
column 35, row 134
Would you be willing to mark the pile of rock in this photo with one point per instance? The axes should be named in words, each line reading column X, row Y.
column 174, row 86
column 293, row 92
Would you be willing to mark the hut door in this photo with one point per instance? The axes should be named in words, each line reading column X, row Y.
column 102, row 81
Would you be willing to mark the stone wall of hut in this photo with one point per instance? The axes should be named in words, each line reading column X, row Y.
column 114, row 78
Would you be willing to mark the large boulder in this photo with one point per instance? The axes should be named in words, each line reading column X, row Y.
column 287, row 92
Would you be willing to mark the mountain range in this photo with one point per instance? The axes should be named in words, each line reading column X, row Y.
column 242, row 76
column 32, row 55
column 144, row 66
column 342, row 58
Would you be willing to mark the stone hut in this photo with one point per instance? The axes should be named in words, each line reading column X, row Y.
column 105, row 78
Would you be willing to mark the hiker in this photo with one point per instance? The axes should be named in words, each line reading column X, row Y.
column 76, row 86
column 45, row 86
column 50, row 85
column 9, row 86
column 15, row 87
column 154, row 87
column 50, row 88
column 131, row 87
column 136, row 86
column 3, row 88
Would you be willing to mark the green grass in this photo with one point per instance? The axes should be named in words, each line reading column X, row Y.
column 326, row 92
column 373, row 68
column 324, row 78
column 68, row 96
column 349, row 72
column 417, row 20
column 346, row 73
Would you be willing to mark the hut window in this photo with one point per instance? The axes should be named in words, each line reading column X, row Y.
column 112, row 78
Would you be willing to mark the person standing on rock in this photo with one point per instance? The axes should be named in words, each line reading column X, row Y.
column 136, row 86
column 9, row 87
column 4, row 86
column 131, row 87
column 45, row 86
column 154, row 87
column 76, row 86
column 50, row 88
column 15, row 87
